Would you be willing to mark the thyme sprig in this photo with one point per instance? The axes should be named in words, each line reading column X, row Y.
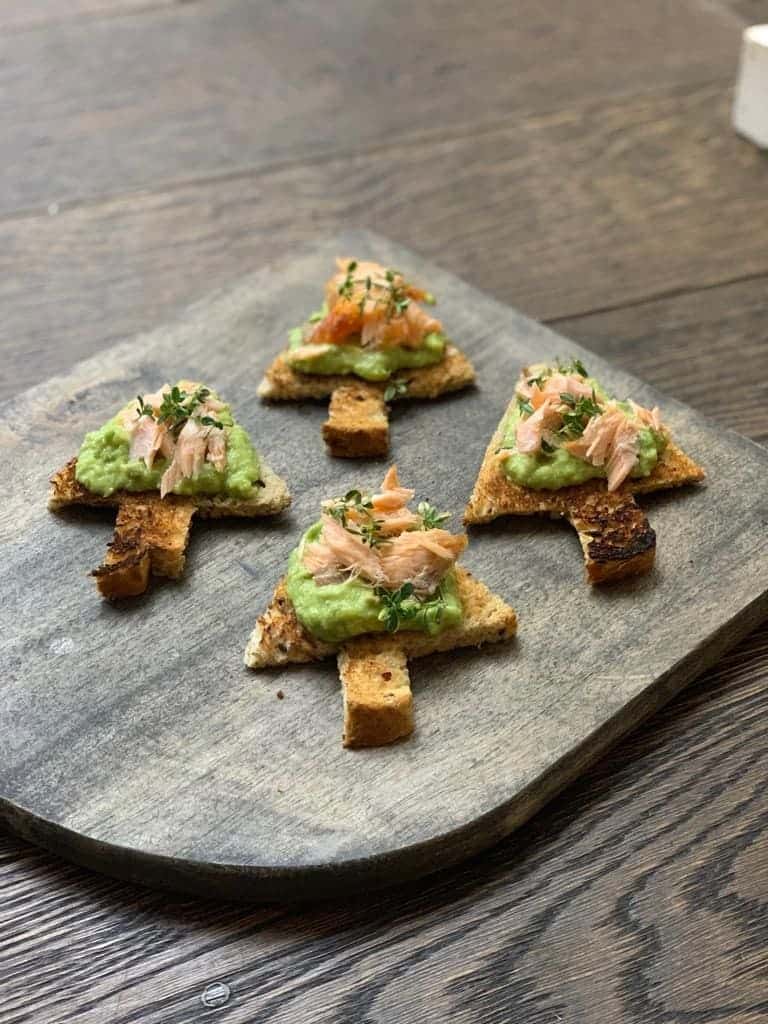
column 395, row 293
column 395, row 389
column 578, row 412
column 430, row 517
column 369, row 528
column 177, row 407
column 399, row 606
column 402, row 605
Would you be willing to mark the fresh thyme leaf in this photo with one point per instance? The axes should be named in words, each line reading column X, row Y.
column 574, row 365
column 430, row 517
column 568, row 399
column 536, row 381
column 179, row 405
column 346, row 286
column 143, row 408
column 209, row 421
column 579, row 413
column 395, row 389
column 399, row 606
column 524, row 406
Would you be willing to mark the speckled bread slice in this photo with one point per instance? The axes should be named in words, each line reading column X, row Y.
column 268, row 500
column 376, row 689
column 283, row 384
column 357, row 425
column 378, row 705
column 151, row 532
column 615, row 535
column 279, row 638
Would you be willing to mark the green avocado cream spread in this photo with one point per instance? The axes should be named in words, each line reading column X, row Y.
column 104, row 464
column 334, row 612
column 554, row 466
column 368, row 363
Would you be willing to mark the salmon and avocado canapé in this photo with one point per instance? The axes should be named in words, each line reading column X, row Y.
column 565, row 429
column 372, row 565
column 370, row 325
column 180, row 440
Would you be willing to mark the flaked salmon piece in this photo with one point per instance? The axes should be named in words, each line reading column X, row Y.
column 623, row 455
column 365, row 311
column 650, row 418
column 531, row 429
column 146, row 440
column 339, row 555
column 609, row 440
column 217, row 449
column 420, row 557
column 392, row 495
column 551, row 388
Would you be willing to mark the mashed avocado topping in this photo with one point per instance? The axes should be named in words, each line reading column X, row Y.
column 104, row 464
column 334, row 612
column 367, row 362
column 564, row 455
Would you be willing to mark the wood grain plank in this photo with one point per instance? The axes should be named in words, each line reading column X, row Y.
column 36, row 14
column 103, row 105
column 712, row 343
column 640, row 894
column 658, row 194
column 751, row 12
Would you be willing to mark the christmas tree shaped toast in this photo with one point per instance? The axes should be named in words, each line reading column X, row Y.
column 161, row 460
column 371, row 343
column 375, row 583
column 565, row 448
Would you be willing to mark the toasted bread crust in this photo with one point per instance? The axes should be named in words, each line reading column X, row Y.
column 376, row 689
column 279, row 638
column 281, row 383
column 268, row 499
column 615, row 535
column 357, row 424
column 151, row 533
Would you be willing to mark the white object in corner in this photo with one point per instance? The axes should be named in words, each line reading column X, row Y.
column 750, row 107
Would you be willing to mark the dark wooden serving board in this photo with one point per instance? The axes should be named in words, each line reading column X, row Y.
column 133, row 740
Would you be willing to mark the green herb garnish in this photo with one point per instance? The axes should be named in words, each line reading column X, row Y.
column 395, row 389
column 143, row 408
column 524, row 406
column 399, row 606
column 580, row 411
column 430, row 517
column 347, row 285
column 573, row 366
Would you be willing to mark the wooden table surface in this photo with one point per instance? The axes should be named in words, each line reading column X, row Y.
column 575, row 160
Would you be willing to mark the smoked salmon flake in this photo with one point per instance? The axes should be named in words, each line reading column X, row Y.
column 380, row 540
column 560, row 407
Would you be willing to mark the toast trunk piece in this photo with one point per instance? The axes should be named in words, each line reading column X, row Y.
column 376, row 690
column 615, row 536
column 357, row 425
column 151, row 533
column 374, row 713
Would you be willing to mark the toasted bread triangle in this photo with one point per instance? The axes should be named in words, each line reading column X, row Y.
column 279, row 638
column 614, row 533
column 358, row 425
column 151, row 532
column 378, row 706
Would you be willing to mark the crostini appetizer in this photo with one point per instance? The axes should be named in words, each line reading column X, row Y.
column 375, row 583
column 370, row 344
column 162, row 459
column 566, row 448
